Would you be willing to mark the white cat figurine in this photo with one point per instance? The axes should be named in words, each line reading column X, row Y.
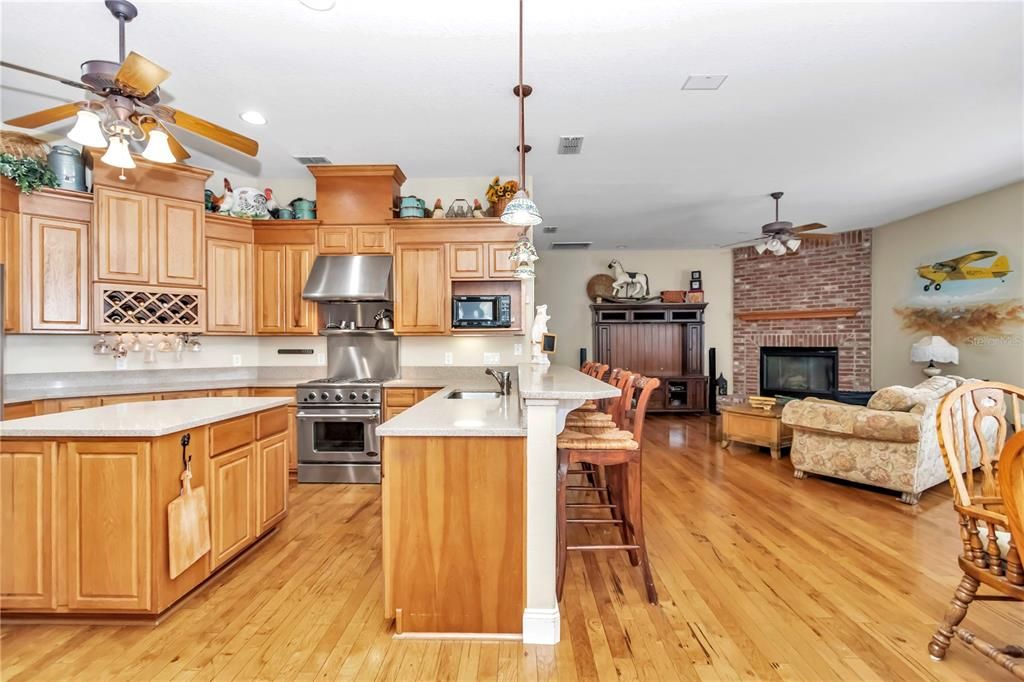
column 540, row 328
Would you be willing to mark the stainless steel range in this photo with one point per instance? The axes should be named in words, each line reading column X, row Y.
column 338, row 416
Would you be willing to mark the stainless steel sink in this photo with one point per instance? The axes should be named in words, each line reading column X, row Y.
column 473, row 395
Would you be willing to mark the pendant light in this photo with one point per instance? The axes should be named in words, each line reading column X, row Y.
column 158, row 149
column 87, row 131
column 118, row 155
column 521, row 210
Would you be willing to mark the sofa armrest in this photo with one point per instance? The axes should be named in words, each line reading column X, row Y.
column 855, row 421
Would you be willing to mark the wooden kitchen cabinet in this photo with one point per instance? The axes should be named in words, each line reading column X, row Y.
column 498, row 264
column 337, row 240
column 466, row 261
column 281, row 271
column 58, row 274
column 108, row 525
column 228, row 287
column 232, row 503
column 422, row 297
column 10, row 256
column 373, row 239
column 179, row 242
column 123, row 231
column 271, row 481
column 28, row 490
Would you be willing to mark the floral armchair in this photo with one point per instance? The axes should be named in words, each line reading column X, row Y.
column 891, row 443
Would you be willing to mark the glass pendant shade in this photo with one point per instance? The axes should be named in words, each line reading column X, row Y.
column 521, row 211
column 793, row 244
column 760, row 247
column 157, row 148
column 523, row 252
column 87, row 131
column 118, row 154
column 524, row 271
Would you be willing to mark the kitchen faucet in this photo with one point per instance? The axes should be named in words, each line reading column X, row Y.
column 504, row 379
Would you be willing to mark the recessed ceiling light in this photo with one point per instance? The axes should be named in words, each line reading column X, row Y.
column 319, row 5
column 704, row 82
column 253, row 117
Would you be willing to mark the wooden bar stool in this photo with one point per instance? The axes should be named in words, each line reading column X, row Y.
column 620, row 453
column 597, row 371
column 600, row 420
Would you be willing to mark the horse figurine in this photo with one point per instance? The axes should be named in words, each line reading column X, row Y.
column 629, row 284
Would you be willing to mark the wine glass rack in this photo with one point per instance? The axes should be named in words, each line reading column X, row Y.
column 156, row 309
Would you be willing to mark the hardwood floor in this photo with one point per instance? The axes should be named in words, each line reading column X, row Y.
column 761, row 576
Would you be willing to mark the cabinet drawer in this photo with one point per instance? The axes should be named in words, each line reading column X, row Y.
column 119, row 399
column 231, row 434
column 20, row 410
column 390, row 412
column 400, row 397
column 272, row 421
column 180, row 395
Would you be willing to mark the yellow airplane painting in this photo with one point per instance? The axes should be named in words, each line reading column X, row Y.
column 958, row 269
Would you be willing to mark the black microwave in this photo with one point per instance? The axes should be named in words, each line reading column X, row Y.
column 481, row 311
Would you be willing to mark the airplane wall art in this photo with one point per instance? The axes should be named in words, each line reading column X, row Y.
column 957, row 269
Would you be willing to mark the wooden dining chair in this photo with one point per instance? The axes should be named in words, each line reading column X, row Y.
column 620, row 452
column 973, row 423
column 598, row 421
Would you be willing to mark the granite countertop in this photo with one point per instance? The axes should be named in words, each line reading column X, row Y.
column 132, row 420
column 555, row 382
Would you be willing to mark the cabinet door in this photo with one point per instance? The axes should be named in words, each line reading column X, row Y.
column 228, row 283
column 108, row 525
column 122, row 235
column 602, row 344
column 301, row 314
column 421, row 296
column 28, row 501
column 695, row 349
column 179, row 248
column 270, row 289
column 272, row 481
column 498, row 264
column 232, row 504
column 133, row 398
column 337, row 239
column 10, row 256
column 466, row 261
column 373, row 239
column 72, row 404
column 59, row 274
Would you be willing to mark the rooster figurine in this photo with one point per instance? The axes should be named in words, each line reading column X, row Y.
column 272, row 205
column 438, row 210
column 224, row 202
column 478, row 210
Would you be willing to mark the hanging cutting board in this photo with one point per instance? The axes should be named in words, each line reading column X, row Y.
column 188, row 526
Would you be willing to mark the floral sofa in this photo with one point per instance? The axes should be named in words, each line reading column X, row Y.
column 891, row 443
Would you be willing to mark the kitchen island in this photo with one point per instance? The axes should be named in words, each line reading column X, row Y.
column 84, row 526
column 469, row 506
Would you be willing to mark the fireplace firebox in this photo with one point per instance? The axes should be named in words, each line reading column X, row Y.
column 799, row 372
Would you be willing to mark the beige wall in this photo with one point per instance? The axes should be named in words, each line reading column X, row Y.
column 994, row 220
column 562, row 285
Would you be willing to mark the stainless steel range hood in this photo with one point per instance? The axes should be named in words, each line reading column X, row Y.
column 349, row 279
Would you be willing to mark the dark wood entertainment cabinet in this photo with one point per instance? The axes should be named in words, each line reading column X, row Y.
column 663, row 340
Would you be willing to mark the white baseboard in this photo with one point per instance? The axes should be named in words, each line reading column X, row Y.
column 541, row 626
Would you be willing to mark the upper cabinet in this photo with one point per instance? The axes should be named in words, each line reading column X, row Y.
column 421, row 297
column 357, row 195
column 339, row 240
column 229, row 275
column 281, row 271
column 10, row 256
column 179, row 242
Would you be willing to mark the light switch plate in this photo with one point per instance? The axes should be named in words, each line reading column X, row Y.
column 492, row 358
column 517, row 349
column 236, row 360
column 449, row 358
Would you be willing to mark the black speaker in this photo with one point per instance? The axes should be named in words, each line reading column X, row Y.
column 712, row 384
column 583, row 356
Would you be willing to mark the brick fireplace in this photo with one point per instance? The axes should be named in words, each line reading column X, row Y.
column 819, row 296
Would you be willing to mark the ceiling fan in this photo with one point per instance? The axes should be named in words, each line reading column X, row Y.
column 128, row 109
column 779, row 235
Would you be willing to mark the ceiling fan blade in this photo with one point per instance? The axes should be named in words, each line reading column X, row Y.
column 39, row 119
column 138, row 76
column 43, row 74
column 213, row 132
column 742, row 242
column 815, row 237
column 808, row 227
column 180, row 153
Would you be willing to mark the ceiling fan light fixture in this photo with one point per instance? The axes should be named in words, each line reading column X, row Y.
column 87, row 131
column 521, row 211
column 793, row 244
column 253, row 117
column 760, row 247
column 118, row 154
column 158, row 149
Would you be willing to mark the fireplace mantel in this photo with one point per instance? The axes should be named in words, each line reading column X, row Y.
column 817, row 314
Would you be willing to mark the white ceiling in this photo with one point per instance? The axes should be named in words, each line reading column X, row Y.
column 861, row 112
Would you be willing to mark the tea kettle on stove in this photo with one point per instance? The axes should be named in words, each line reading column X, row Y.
column 383, row 319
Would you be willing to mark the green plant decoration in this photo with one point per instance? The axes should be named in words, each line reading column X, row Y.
column 28, row 174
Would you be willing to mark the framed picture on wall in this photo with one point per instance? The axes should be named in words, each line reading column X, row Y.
column 695, row 274
column 694, row 284
column 548, row 343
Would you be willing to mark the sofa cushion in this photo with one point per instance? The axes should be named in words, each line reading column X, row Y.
column 933, row 388
column 894, row 398
column 852, row 420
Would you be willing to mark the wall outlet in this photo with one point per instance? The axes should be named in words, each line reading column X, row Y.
column 449, row 359
column 321, row 359
column 517, row 349
column 236, row 360
column 492, row 358
column 120, row 363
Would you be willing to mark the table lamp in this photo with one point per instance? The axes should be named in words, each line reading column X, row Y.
column 932, row 349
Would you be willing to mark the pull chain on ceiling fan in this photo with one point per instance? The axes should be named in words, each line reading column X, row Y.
column 128, row 109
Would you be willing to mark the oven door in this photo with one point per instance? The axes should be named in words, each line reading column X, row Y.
column 338, row 436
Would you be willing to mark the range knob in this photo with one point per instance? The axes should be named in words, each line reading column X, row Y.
column 311, row 396
column 324, row 396
column 366, row 396
column 337, row 397
column 352, row 396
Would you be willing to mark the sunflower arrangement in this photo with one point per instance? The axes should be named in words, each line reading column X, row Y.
column 499, row 193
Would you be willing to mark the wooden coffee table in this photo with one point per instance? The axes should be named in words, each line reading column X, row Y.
column 755, row 426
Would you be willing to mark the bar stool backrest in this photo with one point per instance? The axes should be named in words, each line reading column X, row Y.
column 641, row 393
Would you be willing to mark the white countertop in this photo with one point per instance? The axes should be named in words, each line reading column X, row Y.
column 129, row 420
column 439, row 415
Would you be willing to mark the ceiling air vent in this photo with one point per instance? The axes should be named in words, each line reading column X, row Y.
column 549, row 229
column 570, row 144
column 571, row 245
column 313, row 160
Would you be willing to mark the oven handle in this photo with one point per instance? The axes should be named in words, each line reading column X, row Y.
column 347, row 417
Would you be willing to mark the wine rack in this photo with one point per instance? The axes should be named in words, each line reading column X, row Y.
column 155, row 309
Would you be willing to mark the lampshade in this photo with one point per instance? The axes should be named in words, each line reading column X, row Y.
column 523, row 251
column 793, row 244
column 521, row 211
column 934, row 349
column 760, row 247
column 524, row 271
column 87, row 130
column 157, row 148
column 117, row 154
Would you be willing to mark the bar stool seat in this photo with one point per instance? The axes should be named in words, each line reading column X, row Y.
column 612, row 439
